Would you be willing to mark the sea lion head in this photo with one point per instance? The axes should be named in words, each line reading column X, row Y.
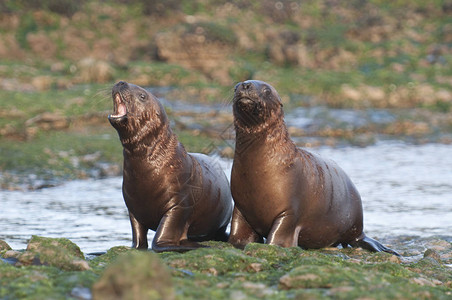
column 136, row 112
column 255, row 103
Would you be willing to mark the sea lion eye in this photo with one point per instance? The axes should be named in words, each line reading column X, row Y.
column 267, row 91
column 142, row 97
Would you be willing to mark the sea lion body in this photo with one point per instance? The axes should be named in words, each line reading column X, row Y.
column 184, row 197
column 283, row 193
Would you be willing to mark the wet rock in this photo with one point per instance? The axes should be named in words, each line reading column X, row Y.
column 423, row 281
column 258, row 289
column 429, row 261
column 4, row 246
column 48, row 121
column 270, row 253
column 57, row 252
column 11, row 254
column 432, row 254
column 135, row 275
column 92, row 70
column 220, row 262
column 81, row 293
column 99, row 262
column 383, row 257
column 439, row 245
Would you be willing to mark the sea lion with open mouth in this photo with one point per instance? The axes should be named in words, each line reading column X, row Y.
column 283, row 193
column 184, row 197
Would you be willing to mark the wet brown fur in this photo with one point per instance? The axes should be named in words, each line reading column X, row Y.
column 283, row 193
column 184, row 197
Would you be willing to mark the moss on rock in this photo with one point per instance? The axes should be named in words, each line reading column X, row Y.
column 259, row 271
column 135, row 275
column 57, row 252
column 4, row 246
column 99, row 263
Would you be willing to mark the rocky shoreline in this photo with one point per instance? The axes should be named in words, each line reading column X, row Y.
column 206, row 128
column 56, row 268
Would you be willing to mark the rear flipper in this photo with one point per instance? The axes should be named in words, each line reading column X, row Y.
column 183, row 246
column 372, row 245
column 221, row 235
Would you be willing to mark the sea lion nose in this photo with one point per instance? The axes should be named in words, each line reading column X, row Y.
column 246, row 85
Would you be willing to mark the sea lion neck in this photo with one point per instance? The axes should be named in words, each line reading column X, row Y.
column 273, row 132
column 150, row 143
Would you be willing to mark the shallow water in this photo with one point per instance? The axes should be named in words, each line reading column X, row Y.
column 406, row 190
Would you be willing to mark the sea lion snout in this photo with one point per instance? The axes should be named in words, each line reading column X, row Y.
column 245, row 89
column 118, row 87
column 119, row 102
column 246, row 96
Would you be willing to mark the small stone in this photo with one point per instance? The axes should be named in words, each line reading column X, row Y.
column 256, row 267
column 80, row 264
column 213, row 271
column 81, row 293
column 395, row 259
column 11, row 254
column 4, row 246
column 432, row 254
column 422, row 281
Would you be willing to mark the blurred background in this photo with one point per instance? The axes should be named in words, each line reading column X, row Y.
column 348, row 72
column 366, row 82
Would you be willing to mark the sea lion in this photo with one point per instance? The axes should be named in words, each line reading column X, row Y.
column 283, row 193
column 184, row 197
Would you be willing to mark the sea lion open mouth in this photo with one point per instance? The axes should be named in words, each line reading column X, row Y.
column 119, row 107
column 184, row 197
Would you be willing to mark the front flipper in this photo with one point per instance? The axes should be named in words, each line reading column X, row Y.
column 370, row 244
column 171, row 234
column 241, row 232
column 139, row 233
column 284, row 231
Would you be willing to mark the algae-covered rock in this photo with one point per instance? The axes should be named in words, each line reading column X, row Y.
column 216, row 262
column 310, row 276
column 4, row 246
column 135, row 275
column 382, row 281
column 432, row 254
column 271, row 253
column 99, row 263
column 259, row 271
column 383, row 257
column 57, row 252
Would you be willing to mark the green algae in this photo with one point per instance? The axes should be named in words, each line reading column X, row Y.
column 100, row 262
column 222, row 272
column 41, row 282
column 4, row 246
column 135, row 275
column 57, row 252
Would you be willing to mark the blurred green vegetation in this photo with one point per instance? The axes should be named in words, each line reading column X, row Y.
column 62, row 57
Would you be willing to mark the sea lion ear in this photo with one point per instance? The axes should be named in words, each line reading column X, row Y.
column 280, row 101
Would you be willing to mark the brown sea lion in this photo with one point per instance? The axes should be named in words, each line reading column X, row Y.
column 283, row 193
column 184, row 197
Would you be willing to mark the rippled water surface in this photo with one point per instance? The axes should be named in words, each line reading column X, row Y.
column 406, row 190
